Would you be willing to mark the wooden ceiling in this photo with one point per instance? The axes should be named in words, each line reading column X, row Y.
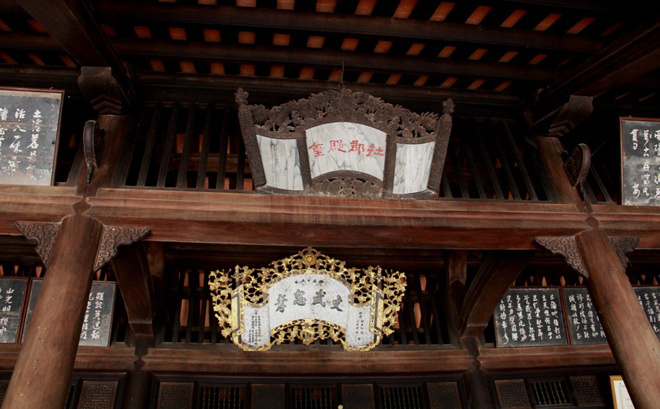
column 484, row 54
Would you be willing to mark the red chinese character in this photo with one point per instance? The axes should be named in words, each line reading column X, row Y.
column 337, row 145
column 317, row 148
column 356, row 146
column 379, row 152
column 370, row 149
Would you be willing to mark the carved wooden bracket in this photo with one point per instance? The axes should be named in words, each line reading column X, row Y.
column 577, row 165
column 567, row 247
column 93, row 145
column 565, row 118
column 115, row 236
column 44, row 233
column 103, row 91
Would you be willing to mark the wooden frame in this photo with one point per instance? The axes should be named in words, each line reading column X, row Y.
column 620, row 397
column 364, row 141
column 28, row 152
column 640, row 155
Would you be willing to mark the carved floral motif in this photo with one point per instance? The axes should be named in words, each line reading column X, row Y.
column 115, row 236
column 344, row 104
column 44, row 233
column 256, row 282
column 347, row 187
column 567, row 247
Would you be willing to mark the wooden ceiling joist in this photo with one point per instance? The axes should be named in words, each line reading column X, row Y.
column 329, row 59
column 621, row 63
column 378, row 27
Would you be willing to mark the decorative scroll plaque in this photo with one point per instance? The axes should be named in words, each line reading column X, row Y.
column 12, row 295
column 29, row 126
column 530, row 317
column 97, row 325
column 649, row 298
column 640, row 161
column 344, row 143
column 583, row 324
column 307, row 296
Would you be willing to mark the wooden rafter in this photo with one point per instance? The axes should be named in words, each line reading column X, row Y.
column 625, row 61
column 379, row 27
column 329, row 59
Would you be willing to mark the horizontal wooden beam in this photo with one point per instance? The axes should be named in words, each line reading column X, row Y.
column 198, row 51
column 72, row 25
column 352, row 25
column 624, row 61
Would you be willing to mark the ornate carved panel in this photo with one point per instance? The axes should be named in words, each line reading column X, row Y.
column 567, row 247
column 512, row 394
column 623, row 246
column 267, row 396
column 45, row 235
column 98, row 395
column 175, row 395
column 339, row 136
column 587, row 391
column 358, row 396
column 444, row 395
column 115, row 236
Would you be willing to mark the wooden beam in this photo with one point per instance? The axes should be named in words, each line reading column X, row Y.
column 49, row 350
column 369, row 26
column 197, row 51
column 496, row 274
column 634, row 343
column 624, row 61
column 74, row 28
column 456, row 273
column 131, row 268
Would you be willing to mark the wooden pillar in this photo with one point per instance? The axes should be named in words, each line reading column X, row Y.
column 632, row 340
column 42, row 373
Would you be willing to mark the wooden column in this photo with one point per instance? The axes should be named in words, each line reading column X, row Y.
column 629, row 333
column 42, row 373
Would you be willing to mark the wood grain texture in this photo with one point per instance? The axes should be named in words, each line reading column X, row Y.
column 49, row 350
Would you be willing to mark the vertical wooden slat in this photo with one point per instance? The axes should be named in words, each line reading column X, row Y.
column 504, row 161
column 521, row 165
column 601, row 186
column 423, row 312
column 193, row 306
column 203, row 301
column 402, row 326
column 177, row 313
column 204, row 154
column 458, row 170
column 446, row 187
column 167, row 148
column 240, row 169
column 185, row 153
column 437, row 318
column 149, row 146
column 488, row 163
column 413, row 325
column 126, row 159
column 222, row 154
column 476, row 176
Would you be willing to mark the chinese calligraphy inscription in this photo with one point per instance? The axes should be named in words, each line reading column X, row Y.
column 583, row 323
column 530, row 317
column 640, row 149
column 12, row 291
column 97, row 324
column 307, row 297
column 29, row 124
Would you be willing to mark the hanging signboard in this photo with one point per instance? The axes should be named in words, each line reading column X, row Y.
column 530, row 317
column 640, row 161
column 12, row 295
column 97, row 324
column 306, row 297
